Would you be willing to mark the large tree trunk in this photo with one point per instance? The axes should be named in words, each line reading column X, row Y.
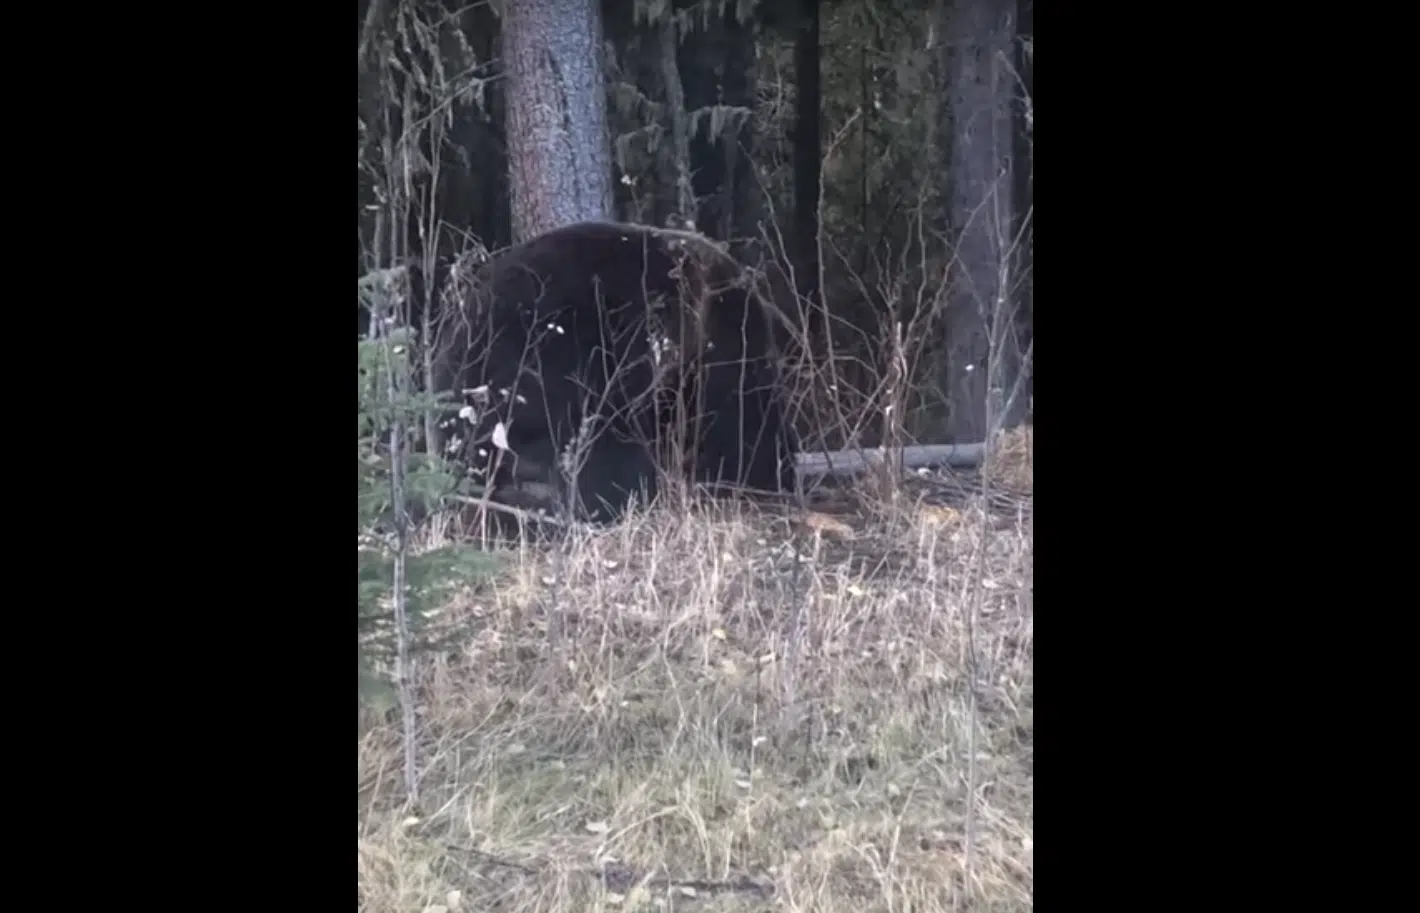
column 559, row 153
column 984, row 357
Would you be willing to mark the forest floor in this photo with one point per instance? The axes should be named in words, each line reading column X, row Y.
column 721, row 710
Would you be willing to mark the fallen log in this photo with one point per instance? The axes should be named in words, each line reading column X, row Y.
column 918, row 456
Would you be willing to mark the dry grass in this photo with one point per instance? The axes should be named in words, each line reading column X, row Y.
column 718, row 711
column 1014, row 464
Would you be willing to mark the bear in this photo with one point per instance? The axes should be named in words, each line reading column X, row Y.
column 597, row 340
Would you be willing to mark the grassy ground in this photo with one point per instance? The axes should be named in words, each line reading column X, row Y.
column 720, row 711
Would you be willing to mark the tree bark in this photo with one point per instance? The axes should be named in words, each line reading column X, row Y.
column 984, row 358
column 1024, row 117
column 559, row 152
column 677, row 161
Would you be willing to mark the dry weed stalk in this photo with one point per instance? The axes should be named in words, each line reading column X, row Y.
column 689, row 701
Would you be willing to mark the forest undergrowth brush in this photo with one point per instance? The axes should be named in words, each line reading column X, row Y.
column 719, row 710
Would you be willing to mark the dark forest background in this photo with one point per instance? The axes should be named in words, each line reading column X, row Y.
column 872, row 157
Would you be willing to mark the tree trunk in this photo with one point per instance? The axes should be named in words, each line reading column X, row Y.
column 559, row 153
column 1023, row 188
column 807, row 165
column 984, row 358
column 739, row 211
column 677, row 160
column 717, row 69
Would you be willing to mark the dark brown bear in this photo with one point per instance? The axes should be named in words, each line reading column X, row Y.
column 604, row 339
